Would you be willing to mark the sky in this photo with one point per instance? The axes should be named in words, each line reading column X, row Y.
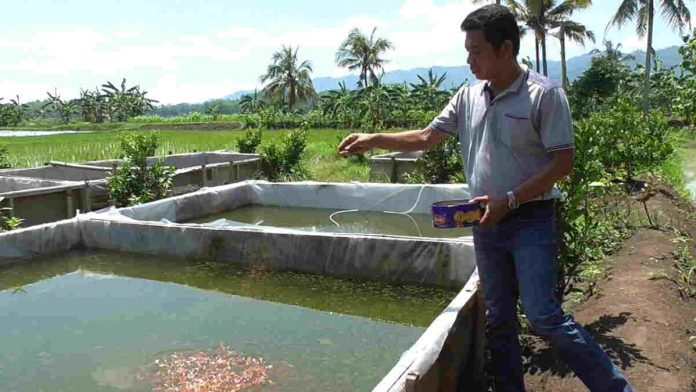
column 195, row 50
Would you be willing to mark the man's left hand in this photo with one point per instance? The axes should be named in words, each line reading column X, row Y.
column 496, row 209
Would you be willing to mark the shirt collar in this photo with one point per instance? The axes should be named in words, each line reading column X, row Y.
column 513, row 88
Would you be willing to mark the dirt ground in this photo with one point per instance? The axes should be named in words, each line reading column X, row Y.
column 642, row 323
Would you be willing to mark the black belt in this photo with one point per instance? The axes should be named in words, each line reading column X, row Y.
column 534, row 209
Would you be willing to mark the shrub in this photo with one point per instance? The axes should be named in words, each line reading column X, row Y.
column 629, row 144
column 442, row 164
column 4, row 162
column 249, row 142
column 281, row 163
column 135, row 182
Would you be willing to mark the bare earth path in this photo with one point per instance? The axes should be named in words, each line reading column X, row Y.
column 642, row 323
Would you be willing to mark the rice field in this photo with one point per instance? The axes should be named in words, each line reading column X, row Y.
column 185, row 119
column 320, row 155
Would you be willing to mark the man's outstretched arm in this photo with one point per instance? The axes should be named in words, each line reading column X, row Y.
column 422, row 139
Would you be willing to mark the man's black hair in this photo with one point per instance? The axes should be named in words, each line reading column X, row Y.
column 497, row 23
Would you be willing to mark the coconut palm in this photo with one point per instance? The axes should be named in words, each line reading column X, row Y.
column 573, row 31
column 541, row 15
column 643, row 11
column 363, row 53
column 612, row 53
column 288, row 78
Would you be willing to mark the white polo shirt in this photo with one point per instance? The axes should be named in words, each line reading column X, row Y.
column 506, row 140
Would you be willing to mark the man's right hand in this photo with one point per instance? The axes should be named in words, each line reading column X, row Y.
column 356, row 143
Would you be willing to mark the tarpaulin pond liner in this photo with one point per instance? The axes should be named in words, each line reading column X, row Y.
column 37, row 201
column 391, row 167
column 449, row 354
column 193, row 171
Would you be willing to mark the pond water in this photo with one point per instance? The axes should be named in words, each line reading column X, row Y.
column 690, row 170
column 98, row 321
column 317, row 220
column 8, row 133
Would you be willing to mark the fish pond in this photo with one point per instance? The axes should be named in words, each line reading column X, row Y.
column 100, row 321
column 335, row 221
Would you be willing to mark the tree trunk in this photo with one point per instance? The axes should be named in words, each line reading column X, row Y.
column 543, row 53
column 536, row 50
column 648, row 62
column 564, row 72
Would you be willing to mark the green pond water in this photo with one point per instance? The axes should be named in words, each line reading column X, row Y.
column 96, row 321
column 317, row 220
column 689, row 155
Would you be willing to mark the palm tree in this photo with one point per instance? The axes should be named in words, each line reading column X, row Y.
column 358, row 52
column 575, row 32
column 251, row 103
column 287, row 79
column 643, row 11
column 612, row 53
column 541, row 15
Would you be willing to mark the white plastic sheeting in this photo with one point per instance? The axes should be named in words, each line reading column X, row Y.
column 438, row 261
column 41, row 240
column 447, row 357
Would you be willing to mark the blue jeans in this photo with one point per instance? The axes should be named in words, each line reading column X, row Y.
column 518, row 258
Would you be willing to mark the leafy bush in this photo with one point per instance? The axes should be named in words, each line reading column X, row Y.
column 12, row 113
column 442, row 164
column 628, row 144
column 4, row 162
column 134, row 182
column 249, row 142
column 280, row 163
column 685, row 99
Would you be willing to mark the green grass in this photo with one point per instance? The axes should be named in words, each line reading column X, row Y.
column 320, row 156
column 190, row 118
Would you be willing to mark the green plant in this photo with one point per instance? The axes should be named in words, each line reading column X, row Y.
column 630, row 144
column 249, row 142
column 136, row 182
column 4, row 163
column 685, row 99
column 126, row 102
column 685, row 269
column 588, row 224
column 288, row 80
column 284, row 162
column 12, row 113
column 11, row 223
column 442, row 164
column 363, row 53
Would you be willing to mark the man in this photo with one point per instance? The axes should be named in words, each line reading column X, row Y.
column 516, row 138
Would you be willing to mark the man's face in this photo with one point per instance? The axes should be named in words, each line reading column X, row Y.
column 484, row 60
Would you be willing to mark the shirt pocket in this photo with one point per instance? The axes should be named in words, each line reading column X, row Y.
column 518, row 131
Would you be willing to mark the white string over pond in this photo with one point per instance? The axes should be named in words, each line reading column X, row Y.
column 406, row 213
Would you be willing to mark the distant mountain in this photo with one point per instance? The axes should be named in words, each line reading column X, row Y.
column 457, row 74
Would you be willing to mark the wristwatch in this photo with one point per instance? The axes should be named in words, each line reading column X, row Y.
column 512, row 201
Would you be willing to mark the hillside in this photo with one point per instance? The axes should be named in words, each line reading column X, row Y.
column 457, row 74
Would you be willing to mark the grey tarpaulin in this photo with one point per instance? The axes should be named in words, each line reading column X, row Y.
column 37, row 201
